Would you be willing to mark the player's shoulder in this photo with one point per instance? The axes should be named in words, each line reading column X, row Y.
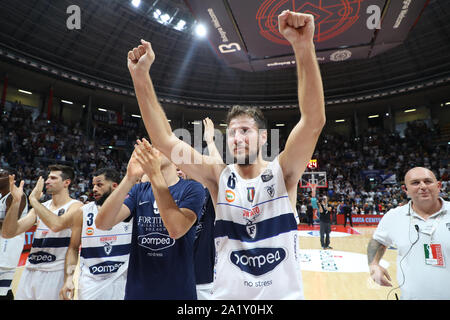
column 189, row 183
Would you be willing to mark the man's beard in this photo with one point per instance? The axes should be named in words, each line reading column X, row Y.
column 249, row 158
column 103, row 198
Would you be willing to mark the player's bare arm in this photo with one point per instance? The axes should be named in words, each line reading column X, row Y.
column 194, row 164
column 177, row 220
column 113, row 210
column 298, row 29
column 68, row 290
column 54, row 222
column 11, row 225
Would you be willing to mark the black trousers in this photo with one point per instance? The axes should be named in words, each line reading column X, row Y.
column 309, row 218
column 349, row 216
column 325, row 229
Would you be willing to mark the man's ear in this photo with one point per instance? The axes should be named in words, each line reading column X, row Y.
column 404, row 188
column 263, row 136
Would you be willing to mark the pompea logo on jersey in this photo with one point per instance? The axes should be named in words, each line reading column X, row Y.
column 106, row 267
column 258, row 261
column 41, row 257
column 156, row 241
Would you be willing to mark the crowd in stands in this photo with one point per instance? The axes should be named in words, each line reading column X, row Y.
column 29, row 144
column 366, row 172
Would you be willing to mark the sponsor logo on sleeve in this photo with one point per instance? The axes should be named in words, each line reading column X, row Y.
column 258, row 261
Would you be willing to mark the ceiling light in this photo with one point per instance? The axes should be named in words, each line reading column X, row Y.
column 101, row 109
column 136, row 116
column 26, row 92
column 164, row 18
column 180, row 25
column 374, row 116
column 200, row 30
column 136, row 3
column 156, row 13
column 67, row 101
column 279, row 125
column 410, row 110
column 340, row 120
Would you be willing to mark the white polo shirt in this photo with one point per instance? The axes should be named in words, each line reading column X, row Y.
column 421, row 281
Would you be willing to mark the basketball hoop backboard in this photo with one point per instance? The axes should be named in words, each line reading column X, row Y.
column 318, row 179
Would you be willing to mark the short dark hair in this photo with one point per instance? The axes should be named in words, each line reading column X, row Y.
column 66, row 171
column 110, row 174
column 252, row 112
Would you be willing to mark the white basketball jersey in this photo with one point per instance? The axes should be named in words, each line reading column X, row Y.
column 256, row 238
column 49, row 248
column 10, row 251
column 104, row 253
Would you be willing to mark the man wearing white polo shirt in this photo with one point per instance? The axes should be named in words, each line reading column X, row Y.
column 421, row 232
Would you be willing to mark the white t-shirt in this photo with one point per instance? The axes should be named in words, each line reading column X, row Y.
column 420, row 280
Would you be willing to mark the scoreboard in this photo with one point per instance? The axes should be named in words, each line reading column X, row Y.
column 245, row 34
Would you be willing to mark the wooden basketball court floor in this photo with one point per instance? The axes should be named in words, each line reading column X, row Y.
column 335, row 284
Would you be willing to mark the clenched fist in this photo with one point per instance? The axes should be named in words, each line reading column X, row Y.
column 140, row 59
column 297, row 28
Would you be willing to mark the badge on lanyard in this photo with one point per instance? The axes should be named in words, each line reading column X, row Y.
column 433, row 255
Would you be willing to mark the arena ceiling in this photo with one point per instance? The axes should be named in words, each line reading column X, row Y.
column 34, row 33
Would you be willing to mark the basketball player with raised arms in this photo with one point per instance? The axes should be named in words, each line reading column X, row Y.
column 43, row 275
column 255, row 228
column 14, row 203
column 104, row 254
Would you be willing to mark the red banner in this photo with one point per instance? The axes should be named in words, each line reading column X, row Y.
column 361, row 219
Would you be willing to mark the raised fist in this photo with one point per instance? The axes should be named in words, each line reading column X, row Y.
column 297, row 28
column 140, row 59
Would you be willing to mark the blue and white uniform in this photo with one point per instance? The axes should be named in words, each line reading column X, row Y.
column 161, row 267
column 204, row 250
column 256, row 238
column 43, row 276
column 10, row 251
column 103, row 258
